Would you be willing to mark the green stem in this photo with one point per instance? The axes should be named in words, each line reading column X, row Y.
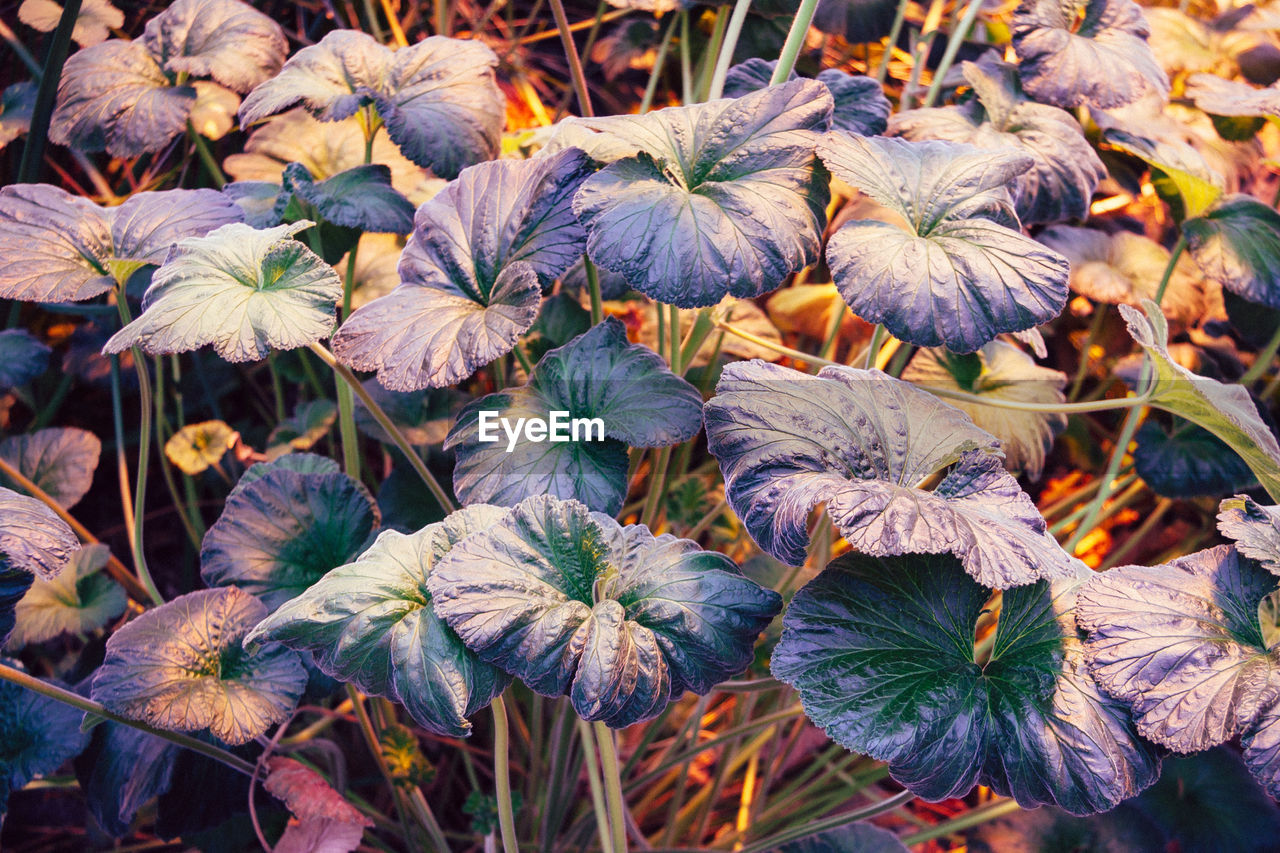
column 347, row 433
column 725, row 57
column 1136, row 538
column 206, row 156
column 162, row 428
column 873, row 348
column 795, row 41
column 593, row 287
column 502, row 775
column 371, row 16
column 388, row 426
column 612, row 786
column 596, row 786
column 651, row 88
column 66, row 697
column 59, row 45
column 657, row 488
column 1178, row 249
column 686, row 63
column 711, row 58
column 576, row 74
column 958, row 35
column 1263, row 361
column 1095, row 329
column 973, row 817
column 673, row 333
column 773, row 842
column 895, row 32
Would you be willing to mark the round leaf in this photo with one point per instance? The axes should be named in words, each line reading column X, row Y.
column 60, row 460
column 78, row 601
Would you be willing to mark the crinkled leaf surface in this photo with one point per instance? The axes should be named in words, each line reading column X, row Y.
column 472, row 273
column 596, row 375
column 1254, row 528
column 22, row 358
column 371, row 623
column 32, row 538
column 1182, row 645
column 1003, row 372
column 282, row 532
column 437, row 97
column 360, row 197
column 228, row 40
column 882, row 653
column 953, row 270
column 37, row 735
column 861, row 442
column 181, row 666
column 60, row 460
column 78, row 601
column 719, row 198
column 57, row 247
column 93, row 23
column 1222, row 97
column 859, row 102
column 1237, row 243
column 1187, row 462
column 302, row 463
column 1126, row 268
column 1085, row 52
column 1066, row 170
column 620, row 621
column 1227, row 411
column 240, row 289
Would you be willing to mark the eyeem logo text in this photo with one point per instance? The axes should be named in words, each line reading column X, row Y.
column 558, row 427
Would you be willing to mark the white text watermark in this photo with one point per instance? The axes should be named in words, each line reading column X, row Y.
column 556, row 427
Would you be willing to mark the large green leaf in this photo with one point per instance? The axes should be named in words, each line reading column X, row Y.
column 1237, row 243
column 597, row 375
column 79, row 600
column 181, row 666
column 60, row 460
column 37, row 735
column 360, row 197
column 620, row 621
column 1227, row 411
column 864, row 444
column 719, row 198
column 882, row 652
column 281, row 532
column 371, row 623
column 948, row 265
column 240, row 289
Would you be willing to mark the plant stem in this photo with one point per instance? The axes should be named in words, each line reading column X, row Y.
column 651, row 88
column 1082, row 370
column 75, row 700
column 597, row 787
column 873, row 348
column 1178, row 249
column 657, row 488
column 843, row 819
column 502, row 775
column 1148, row 524
column 895, row 32
column 973, row 817
column 397, row 32
column 958, row 35
column 347, row 433
column 725, row 57
column 576, row 74
column 206, row 156
column 612, row 786
column 711, row 56
column 686, row 63
column 59, row 45
column 1263, row 361
column 593, row 286
column 384, row 421
column 795, row 41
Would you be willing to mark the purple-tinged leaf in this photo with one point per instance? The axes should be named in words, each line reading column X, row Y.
column 16, row 105
column 859, row 102
column 60, row 460
column 1222, row 97
column 22, row 358
column 228, row 40
column 360, row 197
column 54, row 246
column 32, row 537
column 1254, row 528
column 39, row 735
column 93, row 24
column 1237, row 243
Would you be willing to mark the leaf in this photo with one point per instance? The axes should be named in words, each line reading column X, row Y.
column 1124, row 268
column 283, row 531
column 863, row 837
column 121, row 771
column 60, row 460
column 310, row 422
column 859, row 102
column 1222, row 97
column 1065, row 172
column 22, row 358
column 228, row 40
column 1181, row 644
column 254, row 290
column 371, row 623
column 32, row 538
column 437, row 97
column 39, row 735
column 953, row 271
column 319, row 836
column 620, row 621
column 1085, row 52
column 360, row 197
column 14, row 584
column 195, row 447
column 859, row 21
column 1254, row 528
column 598, row 375
column 115, row 96
column 57, row 247
column 306, row 793
column 471, row 273
column 17, row 103
column 882, row 652
column 1227, row 411
column 93, row 23
column 862, row 442
column 302, row 463
column 423, row 417
column 181, row 667
column 719, row 198
column 80, row 600
column 1237, row 243
column 213, row 114
column 1197, row 185
column 1188, row 462
column 1004, row 372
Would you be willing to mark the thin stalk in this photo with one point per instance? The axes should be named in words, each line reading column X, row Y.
column 371, row 15
column 1131, row 421
column 20, row 50
column 1135, row 402
column 144, row 455
column 166, row 471
column 895, row 32
column 657, row 488
column 576, row 74
column 388, row 426
column 710, row 59
column 958, row 35
column 1178, row 249
column 1120, row 486
column 973, row 817
column 692, row 343
column 1263, row 361
column 1148, row 524
column 206, row 156
column 347, row 433
column 686, row 63
column 1082, row 370
column 277, row 387
column 612, row 786
column 75, row 700
column 773, row 842
column 397, row 32
column 371, row 741
column 833, row 331
column 673, row 313
column 873, row 348
column 59, row 45
column 795, row 41
column 775, row 346
column 593, row 287
column 707, row 520
column 597, row 787
column 502, row 775
column 725, row 57
column 651, row 88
